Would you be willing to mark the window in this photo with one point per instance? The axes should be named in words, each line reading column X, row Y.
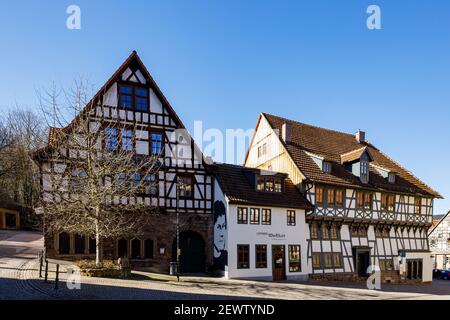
column 334, row 232
column 417, row 205
column 127, row 140
column 291, row 217
column 314, row 230
column 364, row 200
column 385, row 232
column 328, row 259
column 294, row 258
column 362, row 232
column 148, row 249
column 266, row 215
column 386, row 265
column 262, row 150
column 261, row 256
column 269, row 184
column 80, row 243
column 156, row 143
column 254, row 216
column 316, row 257
column 242, row 215
column 243, row 256
column 120, row 181
column 319, row 195
column 339, row 198
column 77, row 180
column 325, row 232
column 364, row 172
column 135, row 249
column 185, row 186
column 391, row 177
column 133, row 98
column 277, row 185
column 64, row 243
column 388, row 202
column 337, row 260
column 260, row 184
column 151, row 184
column 111, row 138
column 378, row 232
column 330, row 197
column 147, row 186
column 126, row 97
column 326, row 166
column 141, row 99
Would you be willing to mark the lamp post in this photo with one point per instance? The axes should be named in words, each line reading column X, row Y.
column 180, row 186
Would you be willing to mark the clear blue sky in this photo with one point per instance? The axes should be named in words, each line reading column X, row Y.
column 225, row 61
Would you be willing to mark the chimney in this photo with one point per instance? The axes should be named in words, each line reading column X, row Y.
column 360, row 136
column 286, row 132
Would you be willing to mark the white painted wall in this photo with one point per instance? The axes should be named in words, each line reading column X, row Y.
column 260, row 234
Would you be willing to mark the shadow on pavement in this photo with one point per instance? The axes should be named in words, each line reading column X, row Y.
column 438, row 287
column 14, row 289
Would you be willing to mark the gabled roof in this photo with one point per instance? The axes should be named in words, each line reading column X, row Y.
column 332, row 145
column 236, row 185
column 133, row 61
column 437, row 221
column 355, row 155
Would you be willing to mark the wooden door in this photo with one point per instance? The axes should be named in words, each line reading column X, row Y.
column 278, row 263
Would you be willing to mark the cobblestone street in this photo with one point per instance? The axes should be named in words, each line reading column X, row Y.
column 19, row 279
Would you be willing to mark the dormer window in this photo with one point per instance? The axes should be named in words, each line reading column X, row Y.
column 326, row 166
column 391, row 177
column 364, row 173
column 269, row 184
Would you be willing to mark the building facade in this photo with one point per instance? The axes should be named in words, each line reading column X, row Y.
column 259, row 225
column 439, row 239
column 132, row 98
column 369, row 211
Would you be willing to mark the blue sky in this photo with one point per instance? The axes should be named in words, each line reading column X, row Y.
column 223, row 62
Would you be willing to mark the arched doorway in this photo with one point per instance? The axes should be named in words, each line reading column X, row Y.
column 192, row 258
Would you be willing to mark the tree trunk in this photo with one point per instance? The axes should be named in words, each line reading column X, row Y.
column 98, row 245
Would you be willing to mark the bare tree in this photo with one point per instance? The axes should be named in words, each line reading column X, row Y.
column 94, row 183
column 20, row 132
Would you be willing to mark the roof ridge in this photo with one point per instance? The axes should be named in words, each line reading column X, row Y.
column 309, row 125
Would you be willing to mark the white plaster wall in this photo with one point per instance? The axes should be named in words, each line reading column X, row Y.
column 250, row 234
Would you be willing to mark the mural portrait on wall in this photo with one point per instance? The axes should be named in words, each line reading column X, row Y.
column 220, row 236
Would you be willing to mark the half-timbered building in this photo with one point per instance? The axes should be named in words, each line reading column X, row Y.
column 439, row 239
column 132, row 97
column 369, row 210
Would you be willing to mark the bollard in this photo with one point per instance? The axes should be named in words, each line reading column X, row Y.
column 57, row 277
column 46, row 270
column 41, row 261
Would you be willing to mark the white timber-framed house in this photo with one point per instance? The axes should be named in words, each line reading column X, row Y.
column 369, row 210
column 439, row 239
column 132, row 97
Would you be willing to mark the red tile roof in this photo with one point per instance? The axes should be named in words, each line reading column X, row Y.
column 236, row 184
column 336, row 146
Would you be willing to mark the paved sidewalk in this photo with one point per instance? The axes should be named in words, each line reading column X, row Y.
column 19, row 279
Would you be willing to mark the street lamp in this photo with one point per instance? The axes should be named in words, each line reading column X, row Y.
column 180, row 186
